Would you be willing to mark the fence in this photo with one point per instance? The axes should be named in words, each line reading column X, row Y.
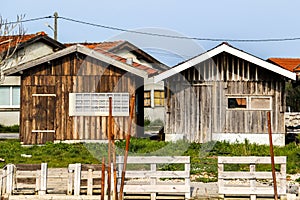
column 150, row 176
column 34, row 175
column 252, row 183
column 153, row 173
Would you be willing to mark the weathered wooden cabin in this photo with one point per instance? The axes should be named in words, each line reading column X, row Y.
column 64, row 96
column 225, row 94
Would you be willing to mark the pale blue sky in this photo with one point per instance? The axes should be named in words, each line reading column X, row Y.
column 235, row 19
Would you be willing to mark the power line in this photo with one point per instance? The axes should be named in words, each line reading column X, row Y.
column 157, row 34
column 181, row 37
column 27, row 20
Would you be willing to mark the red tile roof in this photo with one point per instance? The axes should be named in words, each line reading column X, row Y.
column 104, row 47
column 291, row 64
column 99, row 45
column 150, row 71
column 13, row 40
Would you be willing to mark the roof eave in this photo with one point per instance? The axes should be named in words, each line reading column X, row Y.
column 228, row 49
column 76, row 48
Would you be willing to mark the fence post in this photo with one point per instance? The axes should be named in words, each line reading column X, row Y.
column 70, row 179
column 90, row 182
column 77, row 178
column 9, row 178
column 220, row 180
column 153, row 181
column 283, row 179
column 187, row 168
column 252, row 182
column 43, row 179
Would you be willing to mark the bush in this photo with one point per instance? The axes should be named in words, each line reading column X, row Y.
column 147, row 122
column 9, row 129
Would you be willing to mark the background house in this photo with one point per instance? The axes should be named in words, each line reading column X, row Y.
column 27, row 47
column 60, row 95
column 225, row 94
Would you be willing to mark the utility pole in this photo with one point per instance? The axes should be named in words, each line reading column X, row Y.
column 55, row 25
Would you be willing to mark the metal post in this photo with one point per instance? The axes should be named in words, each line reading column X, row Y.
column 103, row 179
column 115, row 171
column 127, row 147
column 109, row 148
column 272, row 156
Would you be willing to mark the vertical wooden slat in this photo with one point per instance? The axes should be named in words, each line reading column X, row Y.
column 9, row 179
column 77, row 178
column 220, row 180
column 70, row 181
column 43, row 179
column 187, row 182
column 153, row 180
column 252, row 182
column 90, row 182
column 198, row 114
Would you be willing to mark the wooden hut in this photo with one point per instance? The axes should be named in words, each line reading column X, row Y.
column 225, row 94
column 64, row 95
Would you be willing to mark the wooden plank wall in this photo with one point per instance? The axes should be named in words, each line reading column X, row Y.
column 71, row 74
column 197, row 99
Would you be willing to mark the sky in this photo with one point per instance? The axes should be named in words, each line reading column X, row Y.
column 225, row 19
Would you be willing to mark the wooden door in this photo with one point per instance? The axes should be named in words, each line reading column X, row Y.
column 43, row 114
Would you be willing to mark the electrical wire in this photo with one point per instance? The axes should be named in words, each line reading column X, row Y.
column 27, row 20
column 157, row 34
column 181, row 37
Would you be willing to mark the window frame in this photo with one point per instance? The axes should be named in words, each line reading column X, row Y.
column 147, row 91
column 11, row 96
column 248, row 102
column 260, row 97
column 98, row 106
column 160, row 98
column 237, row 108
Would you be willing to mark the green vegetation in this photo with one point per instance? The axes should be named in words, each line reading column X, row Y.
column 203, row 156
column 155, row 125
column 292, row 97
column 9, row 129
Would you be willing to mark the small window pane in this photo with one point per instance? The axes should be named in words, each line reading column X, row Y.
column 159, row 98
column 16, row 95
column 147, row 99
column 5, row 96
column 237, row 103
column 260, row 103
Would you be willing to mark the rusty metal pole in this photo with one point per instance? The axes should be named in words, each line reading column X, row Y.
column 109, row 148
column 115, row 170
column 272, row 156
column 103, row 179
column 127, row 147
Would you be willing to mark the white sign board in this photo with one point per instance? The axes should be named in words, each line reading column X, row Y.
column 97, row 104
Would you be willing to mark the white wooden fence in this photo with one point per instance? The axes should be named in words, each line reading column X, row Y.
column 251, row 182
column 147, row 177
column 150, row 177
column 35, row 176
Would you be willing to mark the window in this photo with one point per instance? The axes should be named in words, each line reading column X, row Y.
column 97, row 104
column 260, row 103
column 250, row 103
column 159, row 98
column 237, row 103
column 10, row 96
column 147, row 98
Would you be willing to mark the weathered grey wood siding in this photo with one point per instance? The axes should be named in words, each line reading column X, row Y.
column 70, row 74
column 196, row 99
